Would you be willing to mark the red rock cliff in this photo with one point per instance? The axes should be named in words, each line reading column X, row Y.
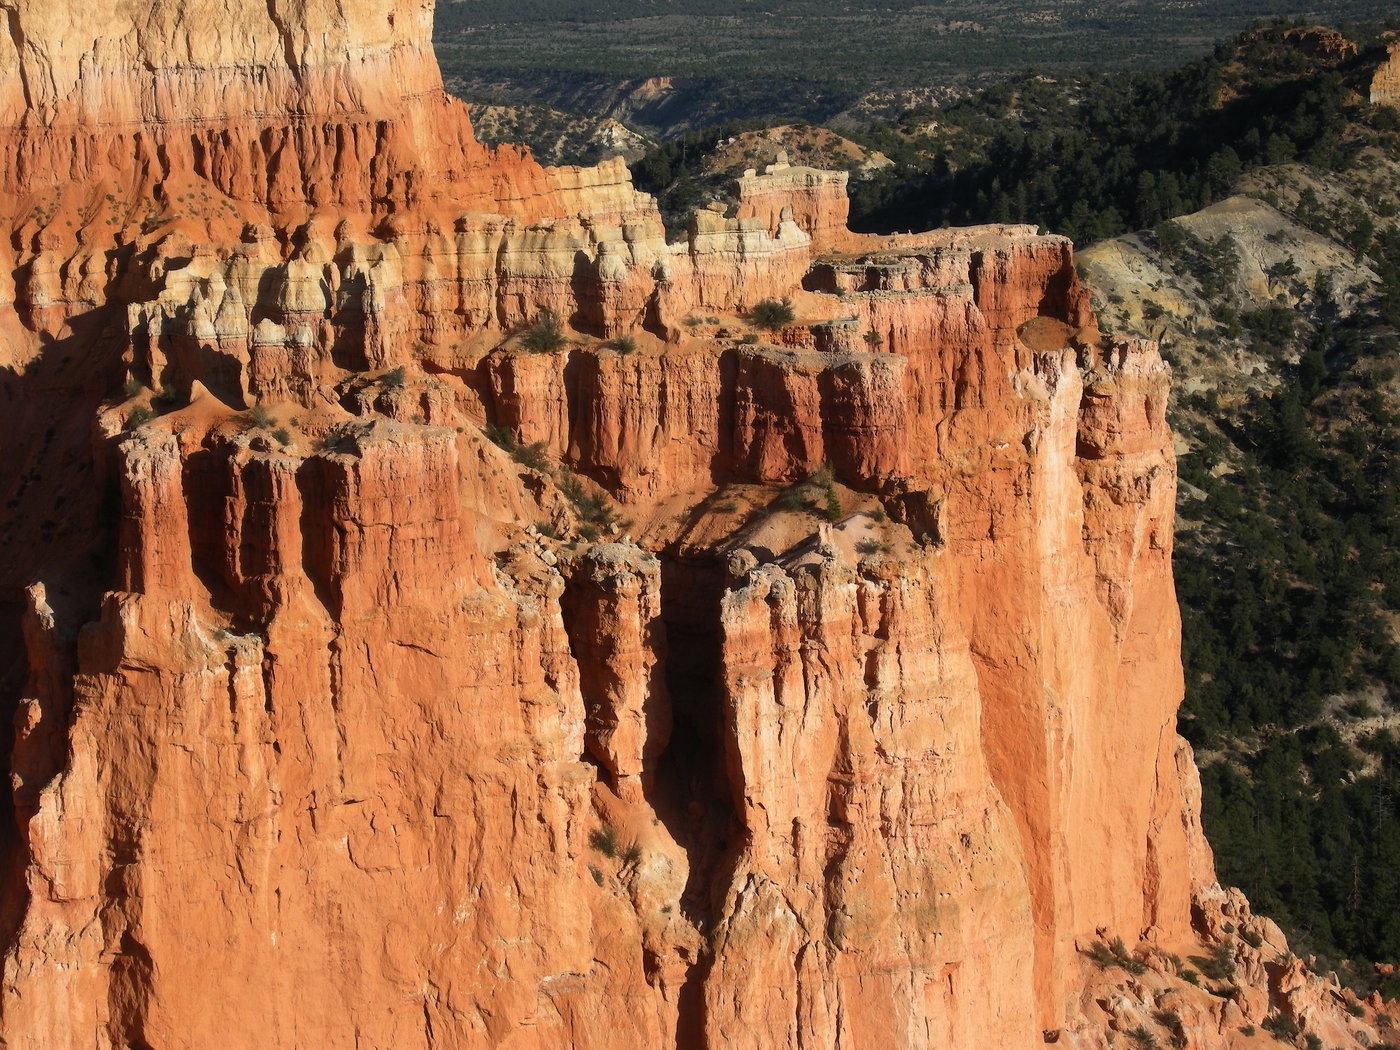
column 382, row 683
column 1385, row 83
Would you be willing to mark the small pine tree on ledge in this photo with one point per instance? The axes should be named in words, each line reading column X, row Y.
column 771, row 314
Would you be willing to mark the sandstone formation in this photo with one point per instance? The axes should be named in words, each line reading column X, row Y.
column 1385, row 84
column 383, row 682
column 815, row 200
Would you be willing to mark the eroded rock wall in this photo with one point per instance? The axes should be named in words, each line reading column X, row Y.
column 409, row 669
column 1385, row 84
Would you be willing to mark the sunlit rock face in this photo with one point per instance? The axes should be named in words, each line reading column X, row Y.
column 1385, row 85
column 381, row 682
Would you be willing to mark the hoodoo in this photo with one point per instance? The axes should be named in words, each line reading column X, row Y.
column 432, row 622
column 1385, row 84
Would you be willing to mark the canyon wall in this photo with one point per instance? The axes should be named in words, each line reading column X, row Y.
column 1385, row 83
column 434, row 617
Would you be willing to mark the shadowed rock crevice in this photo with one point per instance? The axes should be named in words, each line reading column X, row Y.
column 317, row 534
column 694, row 796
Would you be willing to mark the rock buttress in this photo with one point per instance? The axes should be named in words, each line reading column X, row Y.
column 382, row 681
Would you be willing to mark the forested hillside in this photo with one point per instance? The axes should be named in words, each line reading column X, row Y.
column 1288, row 572
column 805, row 59
column 1094, row 156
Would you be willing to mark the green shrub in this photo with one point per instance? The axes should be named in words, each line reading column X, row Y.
column 139, row 417
column 868, row 546
column 1116, row 954
column 1219, row 965
column 545, row 335
column 1100, row 953
column 534, row 456
column 395, row 379
column 282, row 436
column 1171, row 239
column 874, row 339
column 1273, row 325
column 794, row 500
column 831, row 506
column 604, row 840
column 772, row 314
column 131, row 388
column 260, row 416
column 623, row 344
column 334, row 439
column 1282, row 271
column 1282, row 1027
column 1225, row 316
column 831, row 502
column 594, row 508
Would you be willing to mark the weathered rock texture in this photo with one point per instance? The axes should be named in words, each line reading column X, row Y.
column 1385, row 85
column 336, row 726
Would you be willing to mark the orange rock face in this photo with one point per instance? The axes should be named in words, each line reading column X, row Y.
column 815, row 201
column 1385, row 84
column 384, row 679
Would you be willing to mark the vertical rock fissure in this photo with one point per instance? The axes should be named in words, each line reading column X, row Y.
column 693, row 793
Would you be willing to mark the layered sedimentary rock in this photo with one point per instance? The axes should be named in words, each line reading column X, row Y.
column 1385, row 84
column 388, row 677
column 815, row 200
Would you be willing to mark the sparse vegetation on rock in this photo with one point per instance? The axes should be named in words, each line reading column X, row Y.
column 773, row 313
column 1116, row 954
column 545, row 335
column 533, row 456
